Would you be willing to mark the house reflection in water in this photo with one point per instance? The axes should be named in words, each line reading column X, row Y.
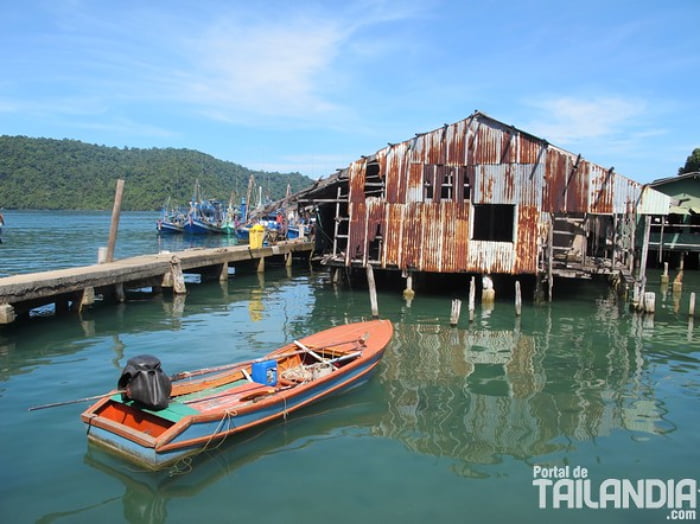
column 479, row 395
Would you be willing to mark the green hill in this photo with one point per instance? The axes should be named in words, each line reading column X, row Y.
column 42, row 173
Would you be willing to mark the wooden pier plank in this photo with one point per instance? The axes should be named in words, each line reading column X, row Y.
column 48, row 285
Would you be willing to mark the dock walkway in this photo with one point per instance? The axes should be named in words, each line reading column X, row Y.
column 77, row 287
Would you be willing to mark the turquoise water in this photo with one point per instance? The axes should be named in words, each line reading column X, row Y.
column 451, row 427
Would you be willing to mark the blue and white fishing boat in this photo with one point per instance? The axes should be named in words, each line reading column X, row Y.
column 171, row 220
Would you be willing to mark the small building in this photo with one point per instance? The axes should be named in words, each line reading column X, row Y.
column 676, row 235
column 480, row 197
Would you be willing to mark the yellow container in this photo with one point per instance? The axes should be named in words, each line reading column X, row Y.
column 257, row 234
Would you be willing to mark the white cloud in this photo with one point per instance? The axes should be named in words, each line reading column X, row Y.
column 568, row 120
column 262, row 70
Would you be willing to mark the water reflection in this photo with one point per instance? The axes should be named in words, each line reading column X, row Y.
column 147, row 495
column 477, row 395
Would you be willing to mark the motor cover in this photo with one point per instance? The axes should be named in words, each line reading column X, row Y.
column 145, row 382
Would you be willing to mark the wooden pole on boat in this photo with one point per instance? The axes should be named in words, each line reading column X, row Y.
column 77, row 400
column 116, row 210
column 360, row 341
column 372, row 291
column 251, row 182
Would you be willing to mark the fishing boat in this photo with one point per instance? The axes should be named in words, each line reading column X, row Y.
column 155, row 420
column 171, row 220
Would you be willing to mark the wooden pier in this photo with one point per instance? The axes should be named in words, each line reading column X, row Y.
column 75, row 288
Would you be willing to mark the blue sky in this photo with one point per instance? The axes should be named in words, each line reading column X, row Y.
column 311, row 86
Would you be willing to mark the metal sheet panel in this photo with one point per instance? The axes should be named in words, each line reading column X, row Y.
column 652, row 202
column 508, row 184
column 527, row 243
column 393, row 236
column 491, row 257
column 601, row 188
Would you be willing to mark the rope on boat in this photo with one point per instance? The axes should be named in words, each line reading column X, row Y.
column 184, row 465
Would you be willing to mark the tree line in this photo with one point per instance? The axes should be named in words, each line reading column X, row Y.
column 43, row 173
column 692, row 163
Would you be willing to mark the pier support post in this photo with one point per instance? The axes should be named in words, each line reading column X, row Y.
column 119, row 294
column 664, row 276
column 87, row 298
column 518, row 299
column 261, row 265
column 472, row 298
column 456, row 309
column 223, row 273
column 288, row 259
column 649, row 302
column 7, row 314
column 691, row 305
column 488, row 294
column 678, row 281
column 408, row 293
column 372, row 291
column 176, row 278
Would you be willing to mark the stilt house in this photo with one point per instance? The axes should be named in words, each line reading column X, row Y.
column 482, row 197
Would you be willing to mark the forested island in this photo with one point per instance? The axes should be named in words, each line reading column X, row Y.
column 43, row 173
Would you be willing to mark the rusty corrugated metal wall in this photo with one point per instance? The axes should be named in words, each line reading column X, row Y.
column 434, row 183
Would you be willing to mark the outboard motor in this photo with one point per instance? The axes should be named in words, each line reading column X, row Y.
column 145, row 382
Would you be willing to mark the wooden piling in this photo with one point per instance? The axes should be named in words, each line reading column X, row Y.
column 261, row 265
column 372, row 291
column 664, row 276
column 472, row 298
column 488, row 294
column 408, row 293
column 178, row 278
column 678, row 281
column 119, row 294
column 518, row 299
column 7, row 314
column 87, row 298
column 642, row 276
column 691, row 305
column 456, row 309
column 649, row 303
column 114, row 226
column 223, row 273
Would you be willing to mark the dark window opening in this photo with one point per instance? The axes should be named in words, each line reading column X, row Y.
column 466, row 188
column 429, row 183
column 374, row 183
column 447, row 184
column 493, row 222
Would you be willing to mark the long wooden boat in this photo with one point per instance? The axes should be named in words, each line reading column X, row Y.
column 205, row 406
